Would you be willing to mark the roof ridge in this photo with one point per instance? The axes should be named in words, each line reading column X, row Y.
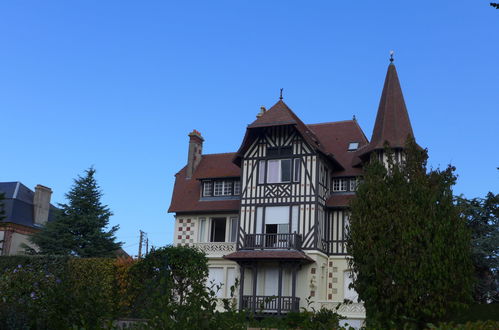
column 331, row 122
column 220, row 153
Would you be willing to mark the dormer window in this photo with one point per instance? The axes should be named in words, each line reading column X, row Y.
column 353, row 146
column 221, row 188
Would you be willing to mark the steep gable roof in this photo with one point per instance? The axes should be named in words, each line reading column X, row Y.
column 280, row 114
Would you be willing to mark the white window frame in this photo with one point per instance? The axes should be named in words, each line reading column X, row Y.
column 210, row 190
column 296, row 169
column 340, row 184
column 218, row 188
column 279, row 168
column 237, row 188
column 353, row 184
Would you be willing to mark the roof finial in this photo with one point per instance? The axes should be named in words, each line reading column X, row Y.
column 280, row 97
column 354, row 118
column 391, row 56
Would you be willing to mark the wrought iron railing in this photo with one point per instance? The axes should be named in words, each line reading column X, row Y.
column 272, row 241
column 270, row 304
column 334, row 247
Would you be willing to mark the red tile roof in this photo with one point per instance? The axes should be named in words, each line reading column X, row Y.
column 186, row 192
column 335, row 138
column 242, row 255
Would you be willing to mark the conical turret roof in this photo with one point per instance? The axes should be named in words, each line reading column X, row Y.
column 392, row 125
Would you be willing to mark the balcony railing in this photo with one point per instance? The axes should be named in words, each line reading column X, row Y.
column 272, row 241
column 216, row 248
column 271, row 304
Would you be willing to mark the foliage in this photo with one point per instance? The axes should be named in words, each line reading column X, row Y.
column 124, row 284
column 477, row 325
column 482, row 216
column 495, row 5
column 79, row 227
column 31, row 293
column 409, row 247
column 169, row 287
column 476, row 312
column 43, row 292
column 322, row 319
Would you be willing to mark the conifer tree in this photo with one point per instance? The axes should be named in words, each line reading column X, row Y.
column 409, row 247
column 79, row 228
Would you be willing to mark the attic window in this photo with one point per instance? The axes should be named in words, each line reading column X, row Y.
column 353, row 146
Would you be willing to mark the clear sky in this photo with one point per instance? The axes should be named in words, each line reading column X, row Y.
column 119, row 85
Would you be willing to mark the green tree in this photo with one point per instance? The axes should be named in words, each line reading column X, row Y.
column 79, row 228
column 482, row 216
column 410, row 249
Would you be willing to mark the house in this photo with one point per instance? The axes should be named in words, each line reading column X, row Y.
column 26, row 211
column 274, row 213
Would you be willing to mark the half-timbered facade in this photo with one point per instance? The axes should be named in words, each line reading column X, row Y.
column 274, row 214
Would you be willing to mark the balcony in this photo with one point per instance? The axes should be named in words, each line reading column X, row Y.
column 270, row 304
column 216, row 249
column 272, row 241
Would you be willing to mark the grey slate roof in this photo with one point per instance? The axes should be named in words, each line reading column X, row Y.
column 18, row 204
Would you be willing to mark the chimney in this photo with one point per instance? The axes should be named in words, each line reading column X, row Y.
column 195, row 152
column 41, row 203
column 262, row 111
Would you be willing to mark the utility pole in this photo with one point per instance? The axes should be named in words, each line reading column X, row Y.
column 140, row 243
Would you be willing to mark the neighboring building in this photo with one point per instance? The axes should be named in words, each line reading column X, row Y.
column 25, row 211
column 274, row 213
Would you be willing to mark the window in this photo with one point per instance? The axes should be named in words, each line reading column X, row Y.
column 202, row 229
column 227, row 188
column 353, row 184
column 261, row 171
column 222, row 188
column 340, row 184
column 218, row 229
column 353, row 146
column 233, row 230
column 279, row 151
column 279, row 170
column 207, row 188
column 297, row 170
column 219, row 186
column 237, row 187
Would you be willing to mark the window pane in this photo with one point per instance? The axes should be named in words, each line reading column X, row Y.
column 227, row 188
column 233, row 229
column 218, row 188
column 218, row 229
column 207, row 188
column 202, row 229
column 297, row 168
column 237, row 187
column 336, row 185
column 353, row 184
column 343, row 186
column 261, row 172
column 273, row 171
column 285, row 170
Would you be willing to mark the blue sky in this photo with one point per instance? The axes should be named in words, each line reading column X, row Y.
column 119, row 85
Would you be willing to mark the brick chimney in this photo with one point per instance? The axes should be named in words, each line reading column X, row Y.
column 41, row 203
column 195, row 152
